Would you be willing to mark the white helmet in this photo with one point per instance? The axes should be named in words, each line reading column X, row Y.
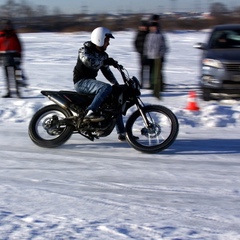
column 99, row 34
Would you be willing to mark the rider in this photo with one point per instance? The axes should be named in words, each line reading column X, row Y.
column 92, row 58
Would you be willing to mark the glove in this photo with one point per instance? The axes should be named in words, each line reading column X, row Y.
column 111, row 62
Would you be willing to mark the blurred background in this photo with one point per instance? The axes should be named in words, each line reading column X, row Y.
column 34, row 17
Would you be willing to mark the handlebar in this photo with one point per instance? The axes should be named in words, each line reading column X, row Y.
column 122, row 71
column 119, row 67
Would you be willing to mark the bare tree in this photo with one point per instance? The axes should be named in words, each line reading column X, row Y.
column 9, row 9
column 57, row 11
column 25, row 10
column 218, row 8
column 41, row 10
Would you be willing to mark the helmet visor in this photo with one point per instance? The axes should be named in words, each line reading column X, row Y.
column 109, row 35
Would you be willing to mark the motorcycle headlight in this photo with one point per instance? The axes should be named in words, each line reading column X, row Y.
column 212, row 63
column 136, row 85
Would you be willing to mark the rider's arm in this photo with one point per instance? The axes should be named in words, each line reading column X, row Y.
column 107, row 73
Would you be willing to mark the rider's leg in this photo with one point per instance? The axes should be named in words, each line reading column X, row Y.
column 120, row 128
column 120, row 125
column 90, row 86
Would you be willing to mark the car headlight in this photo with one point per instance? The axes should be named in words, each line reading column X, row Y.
column 212, row 63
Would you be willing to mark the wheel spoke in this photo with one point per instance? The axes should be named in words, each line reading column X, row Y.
column 47, row 128
column 160, row 132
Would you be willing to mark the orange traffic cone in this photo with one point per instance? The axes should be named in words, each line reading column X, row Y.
column 192, row 104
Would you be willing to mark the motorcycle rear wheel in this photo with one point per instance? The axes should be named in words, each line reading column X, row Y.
column 160, row 133
column 46, row 128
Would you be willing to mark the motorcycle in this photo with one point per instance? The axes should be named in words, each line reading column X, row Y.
column 149, row 129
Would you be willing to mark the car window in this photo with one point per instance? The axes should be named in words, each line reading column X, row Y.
column 225, row 39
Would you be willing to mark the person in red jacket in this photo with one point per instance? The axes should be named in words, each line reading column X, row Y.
column 11, row 53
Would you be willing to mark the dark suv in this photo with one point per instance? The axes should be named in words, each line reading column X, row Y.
column 220, row 62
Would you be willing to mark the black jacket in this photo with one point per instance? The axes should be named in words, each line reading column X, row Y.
column 139, row 41
column 89, row 62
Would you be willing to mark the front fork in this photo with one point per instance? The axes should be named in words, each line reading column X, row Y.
column 143, row 114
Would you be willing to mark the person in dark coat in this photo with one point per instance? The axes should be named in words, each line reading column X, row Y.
column 139, row 46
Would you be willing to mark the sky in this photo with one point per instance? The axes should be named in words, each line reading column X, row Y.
column 106, row 189
column 152, row 6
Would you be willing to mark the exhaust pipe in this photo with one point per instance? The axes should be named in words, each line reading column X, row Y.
column 59, row 101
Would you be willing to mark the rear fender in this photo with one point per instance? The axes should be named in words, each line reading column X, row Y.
column 57, row 98
column 66, row 98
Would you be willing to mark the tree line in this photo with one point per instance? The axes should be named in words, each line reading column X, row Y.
column 35, row 18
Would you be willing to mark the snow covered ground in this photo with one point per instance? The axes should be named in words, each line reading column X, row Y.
column 105, row 189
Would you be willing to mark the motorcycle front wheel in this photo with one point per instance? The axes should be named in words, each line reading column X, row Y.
column 47, row 127
column 155, row 133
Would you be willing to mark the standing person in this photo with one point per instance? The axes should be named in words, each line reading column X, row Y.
column 92, row 58
column 155, row 19
column 11, row 54
column 155, row 50
column 139, row 46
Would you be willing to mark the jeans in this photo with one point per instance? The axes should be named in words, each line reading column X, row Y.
column 119, row 125
column 91, row 86
column 101, row 90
